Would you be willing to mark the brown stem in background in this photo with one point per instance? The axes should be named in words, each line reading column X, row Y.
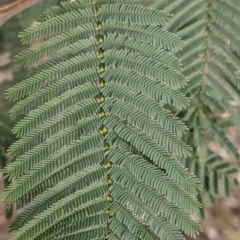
column 13, row 7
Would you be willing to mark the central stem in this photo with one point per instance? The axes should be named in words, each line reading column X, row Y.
column 101, row 100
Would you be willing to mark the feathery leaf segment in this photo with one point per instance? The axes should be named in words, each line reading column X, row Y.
column 99, row 153
column 211, row 62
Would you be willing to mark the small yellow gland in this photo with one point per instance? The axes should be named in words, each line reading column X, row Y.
column 108, row 165
column 102, row 84
column 100, row 41
column 102, row 114
column 98, row 13
column 101, row 70
column 99, row 26
column 101, row 55
column 104, row 130
column 106, row 147
column 110, row 181
column 101, row 99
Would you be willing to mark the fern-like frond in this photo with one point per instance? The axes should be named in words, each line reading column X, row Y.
column 98, row 155
column 210, row 59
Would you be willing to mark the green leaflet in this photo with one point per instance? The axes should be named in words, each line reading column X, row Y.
column 133, row 14
column 45, row 77
column 98, row 155
column 55, row 44
column 63, row 84
column 160, row 181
